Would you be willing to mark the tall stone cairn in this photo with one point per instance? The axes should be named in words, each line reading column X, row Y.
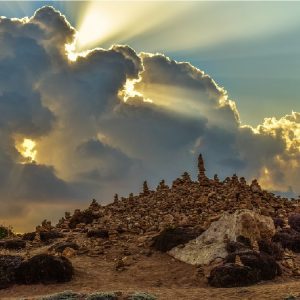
column 203, row 180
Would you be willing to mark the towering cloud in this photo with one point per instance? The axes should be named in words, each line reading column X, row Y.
column 109, row 119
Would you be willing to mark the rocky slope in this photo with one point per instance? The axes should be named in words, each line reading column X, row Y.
column 225, row 233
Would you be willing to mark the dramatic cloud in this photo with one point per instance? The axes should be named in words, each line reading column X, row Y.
column 108, row 119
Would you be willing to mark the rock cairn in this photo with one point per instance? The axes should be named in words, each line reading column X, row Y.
column 185, row 203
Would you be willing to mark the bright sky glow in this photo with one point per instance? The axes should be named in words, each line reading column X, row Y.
column 28, row 150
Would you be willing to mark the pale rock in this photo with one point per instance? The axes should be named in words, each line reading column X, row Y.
column 212, row 243
column 69, row 252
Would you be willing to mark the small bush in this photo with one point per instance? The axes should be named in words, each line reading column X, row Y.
column 264, row 264
column 102, row 296
column 8, row 266
column 4, row 232
column 142, row 296
column 29, row 236
column 294, row 222
column 278, row 222
column 273, row 249
column 66, row 295
column 291, row 297
column 288, row 238
column 85, row 217
column 47, row 236
column 44, row 268
column 62, row 296
column 232, row 275
column 14, row 244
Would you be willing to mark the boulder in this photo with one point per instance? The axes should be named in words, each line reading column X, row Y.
column 44, row 268
column 212, row 244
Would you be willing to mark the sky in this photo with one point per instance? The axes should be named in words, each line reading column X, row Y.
column 95, row 97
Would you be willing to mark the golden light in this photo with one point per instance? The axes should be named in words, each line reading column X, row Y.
column 95, row 27
column 28, row 150
column 129, row 91
column 104, row 23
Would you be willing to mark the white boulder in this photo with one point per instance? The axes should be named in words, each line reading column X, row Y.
column 211, row 244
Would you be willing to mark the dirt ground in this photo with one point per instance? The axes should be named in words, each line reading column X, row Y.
column 158, row 274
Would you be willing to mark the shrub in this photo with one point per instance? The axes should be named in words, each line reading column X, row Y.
column 142, row 296
column 264, row 264
column 14, row 244
column 289, row 239
column 44, row 268
column 8, row 266
column 85, row 217
column 66, row 295
column 172, row 237
column 278, row 222
column 4, row 232
column 294, row 221
column 232, row 275
column 47, row 236
column 29, row 236
column 273, row 249
column 102, row 296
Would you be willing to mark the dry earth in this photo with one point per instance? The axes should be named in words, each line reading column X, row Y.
column 158, row 274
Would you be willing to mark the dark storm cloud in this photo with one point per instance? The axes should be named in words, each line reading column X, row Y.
column 111, row 163
column 93, row 143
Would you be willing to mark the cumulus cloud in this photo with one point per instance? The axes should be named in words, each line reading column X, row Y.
column 95, row 137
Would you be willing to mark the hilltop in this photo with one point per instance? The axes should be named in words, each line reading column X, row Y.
column 187, row 235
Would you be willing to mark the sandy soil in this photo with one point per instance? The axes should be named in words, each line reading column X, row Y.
column 158, row 274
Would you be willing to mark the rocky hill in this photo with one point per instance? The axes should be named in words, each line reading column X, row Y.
column 192, row 234
column 185, row 203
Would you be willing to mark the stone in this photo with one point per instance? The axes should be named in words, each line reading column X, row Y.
column 69, row 252
column 212, row 243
